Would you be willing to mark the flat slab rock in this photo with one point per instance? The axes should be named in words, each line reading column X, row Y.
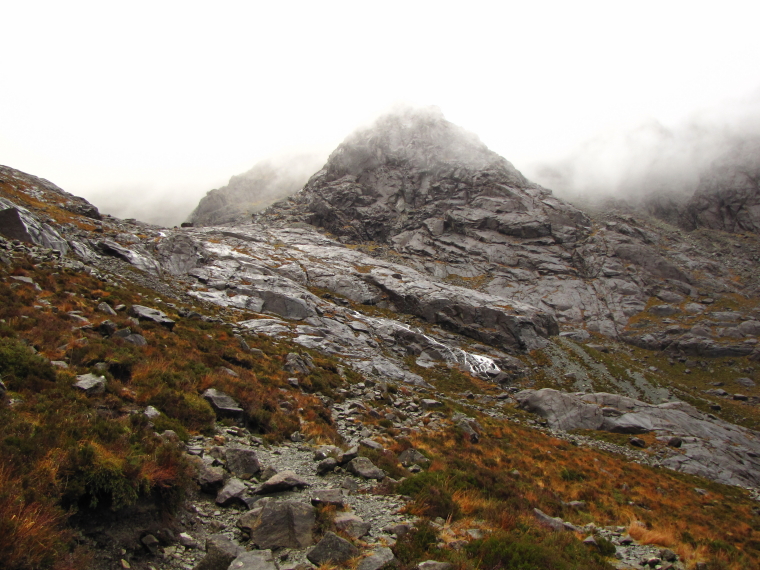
column 90, row 384
column 154, row 315
column 223, row 405
column 363, row 467
column 282, row 481
column 283, row 524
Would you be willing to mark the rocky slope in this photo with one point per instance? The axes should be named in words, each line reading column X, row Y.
column 426, row 265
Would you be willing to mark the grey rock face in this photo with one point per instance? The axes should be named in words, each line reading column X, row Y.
column 728, row 195
column 90, row 384
column 332, row 548
column 18, row 223
column 553, row 523
column 286, row 524
column 710, row 447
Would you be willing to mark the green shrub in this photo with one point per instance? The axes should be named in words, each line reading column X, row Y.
column 22, row 369
column 431, row 493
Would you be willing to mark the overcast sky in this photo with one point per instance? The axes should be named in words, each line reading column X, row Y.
column 155, row 103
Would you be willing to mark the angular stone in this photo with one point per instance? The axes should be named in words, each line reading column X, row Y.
column 332, row 548
column 371, row 444
column 106, row 328
column 282, row 481
column 283, row 524
column 379, row 558
column 428, row 404
column 210, row 478
column 409, row 457
column 363, row 467
column 154, row 315
column 242, row 462
column 332, row 497
column 351, row 524
column 223, row 405
column 231, row 492
column 326, row 466
column 136, row 339
column 106, row 309
column 90, row 384
column 254, row 560
column 552, row 522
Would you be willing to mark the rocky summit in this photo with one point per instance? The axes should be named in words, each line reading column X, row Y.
column 419, row 358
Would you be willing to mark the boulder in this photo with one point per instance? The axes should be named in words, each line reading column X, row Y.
column 90, row 384
column 326, row 466
column 554, row 523
column 363, row 467
column 351, row 524
column 210, row 478
column 232, row 491
column 333, row 497
column 143, row 313
column 106, row 309
column 332, row 549
column 379, row 558
column 220, row 552
column 223, row 405
column 284, row 524
column 282, row 481
column 242, row 462
column 410, row 457
column 136, row 339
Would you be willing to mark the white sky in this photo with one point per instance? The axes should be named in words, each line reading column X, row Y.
column 135, row 102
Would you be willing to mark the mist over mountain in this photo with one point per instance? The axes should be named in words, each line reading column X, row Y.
column 270, row 180
column 658, row 167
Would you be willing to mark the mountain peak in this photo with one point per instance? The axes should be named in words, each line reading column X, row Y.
column 411, row 170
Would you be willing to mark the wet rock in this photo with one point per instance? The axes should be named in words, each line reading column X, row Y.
column 90, row 384
column 332, row 549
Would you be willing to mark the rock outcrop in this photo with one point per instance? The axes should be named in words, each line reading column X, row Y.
column 728, row 195
column 709, row 447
